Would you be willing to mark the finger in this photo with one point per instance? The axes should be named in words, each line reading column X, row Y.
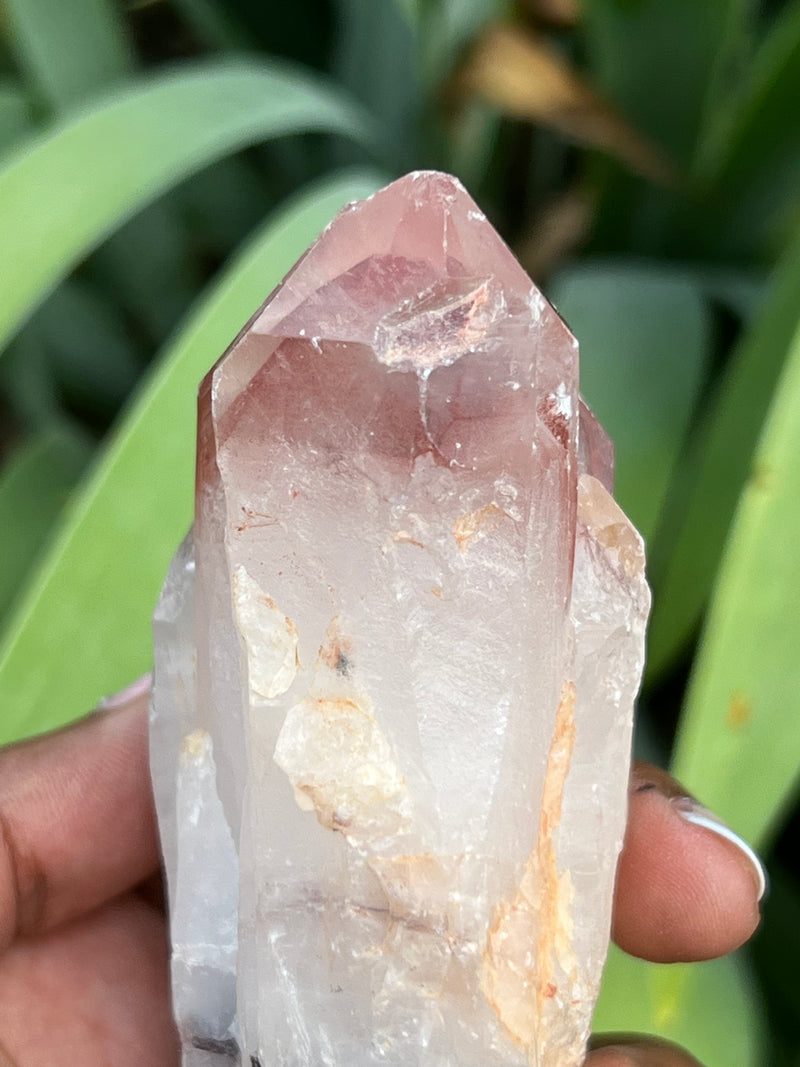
column 77, row 822
column 631, row 1050
column 94, row 992
column 687, row 887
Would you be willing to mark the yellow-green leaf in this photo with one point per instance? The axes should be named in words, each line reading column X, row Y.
column 63, row 192
column 708, row 1008
column 741, row 722
column 82, row 628
column 685, row 562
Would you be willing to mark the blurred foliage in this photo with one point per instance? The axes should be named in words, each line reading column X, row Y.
column 164, row 162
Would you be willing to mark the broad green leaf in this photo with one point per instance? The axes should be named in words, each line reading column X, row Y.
column 644, row 337
column 708, row 1008
column 738, row 744
column 82, row 628
column 34, row 486
column 62, row 193
column 684, row 569
column 68, row 50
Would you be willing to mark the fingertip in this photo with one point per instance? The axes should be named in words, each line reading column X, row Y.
column 611, row 1057
column 632, row 1050
column 685, row 890
column 693, row 812
column 77, row 820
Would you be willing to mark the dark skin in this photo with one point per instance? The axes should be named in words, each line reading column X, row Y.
column 83, row 946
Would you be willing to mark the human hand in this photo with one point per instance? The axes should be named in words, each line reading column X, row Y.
column 84, row 964
column 687, row 889
column 84, row 967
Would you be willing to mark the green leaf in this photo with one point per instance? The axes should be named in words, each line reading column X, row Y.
column 82, row 628
column 708, row 1008
column 737, row 23
column 213, row 24
column 738, row 744
column 67, row 50
column 410, row 10
column 684, row 568
column 15, row 115
column 89, row 351
column 775, row 950
column 472, row 141
column 61, row 194
column 150, row 267
column 748, row 173
column 222, row 203
column 447, row 28
column 28, row 384
column 644, row 337
column 741, row 292
column 76, row 353
column 635, row 49
column 34, row 486
column 374, row 57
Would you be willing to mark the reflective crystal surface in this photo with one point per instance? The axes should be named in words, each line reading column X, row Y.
column 396, row 664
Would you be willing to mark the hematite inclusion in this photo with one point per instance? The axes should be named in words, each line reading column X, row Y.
column 395, row 665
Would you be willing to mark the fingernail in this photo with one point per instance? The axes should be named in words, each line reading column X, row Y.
column 690, row 810
column 128, row 694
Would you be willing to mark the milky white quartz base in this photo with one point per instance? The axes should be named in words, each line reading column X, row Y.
column 354, row 983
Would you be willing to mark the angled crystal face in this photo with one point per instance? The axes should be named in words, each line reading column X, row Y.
column 418, row 630
column 595, row 448
column 418, row 277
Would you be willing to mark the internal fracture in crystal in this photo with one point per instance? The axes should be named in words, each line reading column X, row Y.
column 395, row 666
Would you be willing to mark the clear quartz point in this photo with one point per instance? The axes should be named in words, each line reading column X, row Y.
column 395, row 668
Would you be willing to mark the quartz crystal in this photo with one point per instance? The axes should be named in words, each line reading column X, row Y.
column 395, row 666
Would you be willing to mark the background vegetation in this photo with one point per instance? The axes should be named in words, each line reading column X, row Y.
column 164, row 163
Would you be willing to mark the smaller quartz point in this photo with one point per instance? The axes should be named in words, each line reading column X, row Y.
column 395, row 666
